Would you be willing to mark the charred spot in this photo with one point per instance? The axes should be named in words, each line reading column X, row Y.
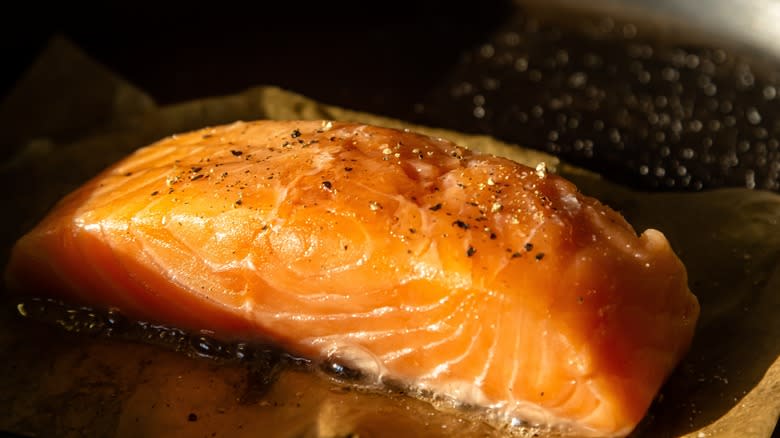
column 263, row 371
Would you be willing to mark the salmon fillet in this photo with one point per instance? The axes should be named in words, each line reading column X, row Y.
column 405, row 257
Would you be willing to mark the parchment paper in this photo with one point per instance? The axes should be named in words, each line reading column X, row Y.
column 54, row 383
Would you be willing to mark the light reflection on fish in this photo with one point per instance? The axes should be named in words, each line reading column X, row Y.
column 389, row 255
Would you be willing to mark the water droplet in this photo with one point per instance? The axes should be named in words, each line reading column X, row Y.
column 670, row 74
column 487, row 51
column 750, row 179
column 511, row 39
column 745, row 77
column 521, row 64
column 614, row 135
column 753, row 116
column 714, row 125
column 769, row 92
column 491, row 84
column 692, row 61
column 578, row 80
column 719, row 56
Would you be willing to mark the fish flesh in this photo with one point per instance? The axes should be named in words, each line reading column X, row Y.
column 407, row 258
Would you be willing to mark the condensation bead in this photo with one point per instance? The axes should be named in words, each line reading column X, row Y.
column 611, row 96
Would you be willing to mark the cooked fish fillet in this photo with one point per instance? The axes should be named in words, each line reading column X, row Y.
column 405, row 257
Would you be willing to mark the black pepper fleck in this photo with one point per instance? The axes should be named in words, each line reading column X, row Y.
column 516, row 255
column 196, row 169
column 236, row 153
column 539, row 256
column 295, row 134
column 459, row 223
column 471, row 251
column 528, row 247
column 493, row 236
column 348, row 169
column 327, row 185
column 435, row 207
column 192, row 417
column 412, row 230
column 155, row 193
column 239, row 202
column 196, row 177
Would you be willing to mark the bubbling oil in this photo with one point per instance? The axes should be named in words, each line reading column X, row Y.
column 265, row 362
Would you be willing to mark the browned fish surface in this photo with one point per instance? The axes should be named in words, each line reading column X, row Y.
column 405, row 257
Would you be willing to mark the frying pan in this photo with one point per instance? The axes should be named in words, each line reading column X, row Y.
column 677, row 95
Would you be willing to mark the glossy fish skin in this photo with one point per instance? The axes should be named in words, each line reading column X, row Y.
column 402, row 256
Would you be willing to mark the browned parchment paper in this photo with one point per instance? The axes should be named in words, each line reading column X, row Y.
column 54, row 383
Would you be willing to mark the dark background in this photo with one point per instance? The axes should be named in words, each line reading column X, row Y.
column 654, row 113
column 371, row 56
